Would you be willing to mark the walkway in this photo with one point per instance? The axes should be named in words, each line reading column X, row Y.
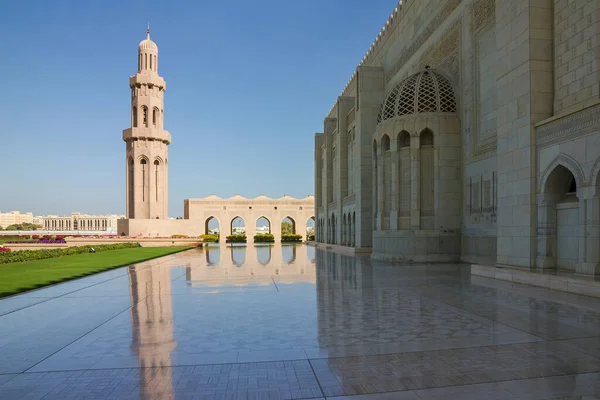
column 295, row 322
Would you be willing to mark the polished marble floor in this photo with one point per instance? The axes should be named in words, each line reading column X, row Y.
column 292, row 322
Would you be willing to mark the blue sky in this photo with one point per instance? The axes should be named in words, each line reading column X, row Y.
column 248, row 85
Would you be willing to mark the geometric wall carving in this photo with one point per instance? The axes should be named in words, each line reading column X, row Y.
column 583, row 123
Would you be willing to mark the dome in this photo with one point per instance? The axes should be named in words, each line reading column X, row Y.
column 148, row 44
column 425, row 92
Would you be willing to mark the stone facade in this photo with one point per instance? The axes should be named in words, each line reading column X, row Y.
column 16, row 217
column 81, row 222
column 470, row 131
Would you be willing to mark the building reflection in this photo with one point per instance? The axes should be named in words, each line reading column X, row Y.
column 257, row 265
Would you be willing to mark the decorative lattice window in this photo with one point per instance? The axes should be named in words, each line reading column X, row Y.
column 389, row 110
column 427, row 94
column 447, row 100
column 406, row 103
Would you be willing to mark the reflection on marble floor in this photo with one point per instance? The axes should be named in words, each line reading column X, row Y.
column 295, row 322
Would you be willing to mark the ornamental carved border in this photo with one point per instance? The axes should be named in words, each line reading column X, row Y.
column 570, row 127
column 442, row 54
column 416, row 44
column 483, row 11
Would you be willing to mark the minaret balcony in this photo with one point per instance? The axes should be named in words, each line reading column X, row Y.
column 147, row 79
column 147, row 134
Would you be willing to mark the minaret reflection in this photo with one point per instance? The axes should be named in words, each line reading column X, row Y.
column 254, row 265
column 152, row 324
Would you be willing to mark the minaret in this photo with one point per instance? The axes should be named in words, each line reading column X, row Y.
column 146, row 141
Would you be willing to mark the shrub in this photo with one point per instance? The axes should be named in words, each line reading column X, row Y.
column 210, row 238
column 31, row 255
column 4, row 250
column 35, row 236
column 310, row 236
column 178, row 236
column 60, row 237
column 291, row 238
column 264, row 238
column 235, row 239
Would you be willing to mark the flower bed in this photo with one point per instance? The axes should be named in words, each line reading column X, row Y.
column 4, row 250
column 30, row 255
column 40, row 241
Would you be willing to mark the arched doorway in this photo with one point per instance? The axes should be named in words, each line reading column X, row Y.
column 558, row 218
column 238, row 226
column 311, row 229
column 212, row 230
column 288, row 226
column 263, row 226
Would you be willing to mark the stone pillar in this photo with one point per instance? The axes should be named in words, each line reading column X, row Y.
column 370, row 85
column 524, row 76
column 395, row 160
column 591, row 236
column 380, row 192
column 415, row 183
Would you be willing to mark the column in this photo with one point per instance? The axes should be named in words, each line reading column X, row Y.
column 395, row 160
column 591, row 236
column 415, row 183
column 525, row 64
column 380, row 199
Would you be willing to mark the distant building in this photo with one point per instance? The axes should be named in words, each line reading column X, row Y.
column 15, row 217
column 81, row 222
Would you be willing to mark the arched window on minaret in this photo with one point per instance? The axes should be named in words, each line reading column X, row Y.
column 154, row 116
column 134, row 117
column 131, row 184
column 143, row 162
column 151, row 61
column 145, row 115
column 155, row 64
column 145, row 60
column 156, row 165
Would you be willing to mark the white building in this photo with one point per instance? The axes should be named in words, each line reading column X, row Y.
column 470, row 131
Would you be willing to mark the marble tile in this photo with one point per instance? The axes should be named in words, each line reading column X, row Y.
column 333, row 326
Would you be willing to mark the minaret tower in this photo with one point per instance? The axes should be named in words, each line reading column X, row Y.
column 146, row 141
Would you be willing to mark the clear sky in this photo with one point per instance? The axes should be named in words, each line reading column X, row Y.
column 248, row 85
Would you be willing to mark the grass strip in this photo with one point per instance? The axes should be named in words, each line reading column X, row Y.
column 21, row 276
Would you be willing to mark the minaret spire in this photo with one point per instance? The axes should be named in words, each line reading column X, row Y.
column 148, row 31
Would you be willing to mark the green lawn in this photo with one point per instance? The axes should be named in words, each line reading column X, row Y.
column 22, row 276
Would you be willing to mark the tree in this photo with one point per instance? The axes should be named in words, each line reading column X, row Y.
column 286, row 228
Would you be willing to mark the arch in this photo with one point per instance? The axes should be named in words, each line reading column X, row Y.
column 403, row 139
column 131, row 186
column 238, row 255
column 155, row 116
column 569, row 163
column 145, row 116
column 263, row 255
column 374, row 148
column 385, row 143
column 288, row 254
column 260, row 227
column 285, row 229
column 311, row 228
column 134, row 117
column 240, row 225
column 427, row 175
column 560, row 182
column 344, row 226
column 426, row 137
column 210, row 228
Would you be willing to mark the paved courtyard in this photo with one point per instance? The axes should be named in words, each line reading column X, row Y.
column 293, row 322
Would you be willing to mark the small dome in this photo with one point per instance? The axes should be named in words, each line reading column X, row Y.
column 148, row 44
column 425, row 92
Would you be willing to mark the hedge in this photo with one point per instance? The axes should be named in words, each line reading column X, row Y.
column 235, row 239
column 210, row 238
column 264, row 238
column 310, row 236
column 291, row 238
column 30, row 255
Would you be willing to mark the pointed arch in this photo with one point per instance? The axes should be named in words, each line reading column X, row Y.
column 403, row 139
column 569, row 163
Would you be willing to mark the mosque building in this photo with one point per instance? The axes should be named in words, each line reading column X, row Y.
column 470, row 131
